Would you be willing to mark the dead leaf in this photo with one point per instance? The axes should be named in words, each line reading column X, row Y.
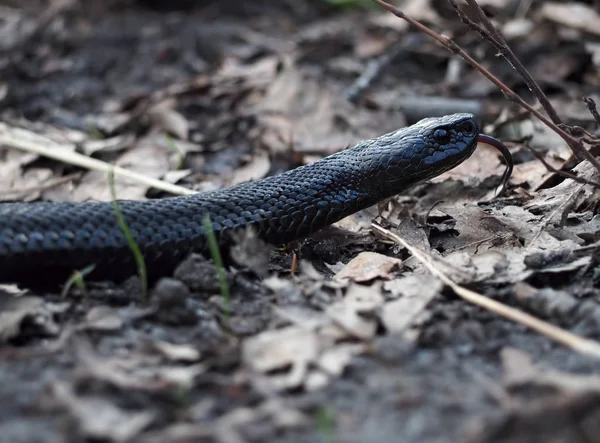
column 333, row 361
column 175, row 176
column 481, row 229
column 567, row 195
column 112, row 144
column 574, row 15
column 14, row 311
column 355, row 313
column 255, row 169
column 531, row 174
column 302, row 110
column 147, row 157
column 416, row 291
column 98, row 418
column 11, row 171
column 516, row 365
column 291, row 346
column 165, row 118
column 177, row 352
column 102, row 318
column 368, row 266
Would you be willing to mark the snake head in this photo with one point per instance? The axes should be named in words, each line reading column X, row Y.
column 424, row 150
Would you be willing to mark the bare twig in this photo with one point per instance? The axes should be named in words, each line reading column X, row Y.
column 490, row 33
column 556, row 171
column 31, row 142
column 373, row 71
column 575, row 144
column 580, row 344
column 591, row 105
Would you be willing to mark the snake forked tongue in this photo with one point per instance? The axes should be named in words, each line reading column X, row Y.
column 508, row 159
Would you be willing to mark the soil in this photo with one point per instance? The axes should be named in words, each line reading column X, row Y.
column 250, row 89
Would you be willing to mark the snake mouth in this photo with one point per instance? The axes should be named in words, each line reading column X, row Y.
column 508, row 158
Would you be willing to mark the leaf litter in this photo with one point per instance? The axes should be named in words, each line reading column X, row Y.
column 300, row 342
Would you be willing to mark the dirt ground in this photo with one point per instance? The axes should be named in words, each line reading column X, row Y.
column 361, row 343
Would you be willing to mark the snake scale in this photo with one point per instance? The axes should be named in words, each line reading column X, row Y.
column 46, row 241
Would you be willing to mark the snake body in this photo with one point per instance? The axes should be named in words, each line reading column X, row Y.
column 42, row 241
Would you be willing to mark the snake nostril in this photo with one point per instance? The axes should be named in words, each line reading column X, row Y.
column 468, row 127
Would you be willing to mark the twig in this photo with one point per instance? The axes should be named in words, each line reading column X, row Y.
column 374, row 70
column 32, row 142
column 575, row 342
column 490, row 33
column 449, row 44
column 591, row 105
column 556, row 171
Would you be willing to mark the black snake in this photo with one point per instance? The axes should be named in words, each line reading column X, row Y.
column 48, row 240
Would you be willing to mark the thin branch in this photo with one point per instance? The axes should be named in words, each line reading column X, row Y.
column 565, row 174
column 28, row 141
column 497, row 40
column 591, row 105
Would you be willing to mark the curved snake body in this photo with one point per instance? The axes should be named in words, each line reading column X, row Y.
column 48, row 240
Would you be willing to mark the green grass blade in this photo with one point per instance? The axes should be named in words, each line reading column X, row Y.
column 215, row 254
column 135, row 249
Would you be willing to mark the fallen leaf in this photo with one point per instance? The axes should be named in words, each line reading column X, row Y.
column 415, row 292
column 147, row 157
column 15, row 311
column 302, row 110
column 255, row 169
column 574, row 15
column 177, row 352
column 368, row 266
column 102, row 318
column 99, row 419
column 291, row 346
column 112, row 144
column 165, row 118
column 516, row 365
column 333, row 361
column 349, row 313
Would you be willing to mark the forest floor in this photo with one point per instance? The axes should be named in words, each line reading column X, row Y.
column 361, row 343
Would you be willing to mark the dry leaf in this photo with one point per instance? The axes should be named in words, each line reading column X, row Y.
column 333, row 361
column 276, row 349
column 146, row 157
column 303, row 110
column 112, row 144
column 574, row 15
column 164, row 118
column 255, row 169
column 102, row 318
column 516, row 365
column 367, row 266
column 416, row 292
column 16, row 310
column 349, row 313
column 98, row 418
column 177, row 352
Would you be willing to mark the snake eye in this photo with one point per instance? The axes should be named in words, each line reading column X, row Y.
column 441, row 136
column 467, row 127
